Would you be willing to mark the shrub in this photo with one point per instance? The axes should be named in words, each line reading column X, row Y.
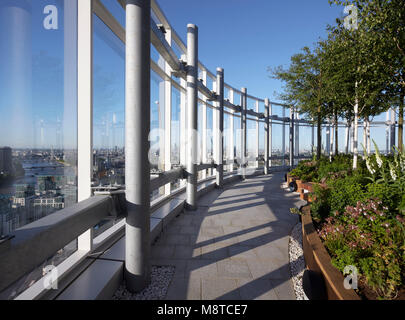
column 367, row 237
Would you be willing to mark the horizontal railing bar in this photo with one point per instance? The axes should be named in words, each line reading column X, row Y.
column 232, row 106
column 205, row 166
column 206, row 92
column 35, row 242
column 166, row 177
column 165, row 50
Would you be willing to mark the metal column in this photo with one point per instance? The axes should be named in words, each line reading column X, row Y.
column 220, row 131
column 283, row 138
column 291, row 137
column 192, row 114
column 243, row 99
column 266, row 135
column 137, row 127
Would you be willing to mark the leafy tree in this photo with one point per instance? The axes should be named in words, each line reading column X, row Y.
column 383, row 26
column 303, row 87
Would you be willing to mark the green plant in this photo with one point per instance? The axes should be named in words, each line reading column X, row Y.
column 367, row 236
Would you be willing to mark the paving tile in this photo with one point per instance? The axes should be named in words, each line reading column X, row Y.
column 219, row 289
column 234, row 246
column 184, row 289
column 216, row 251
column 162, row 251
column 234, row 268
column 242, row 252
column 269, row 269
column 186, row 252
column 213, row 231
column 284, row 289
column 201, row 268
column 174, row 239
column 257, row 289
column 191, row 230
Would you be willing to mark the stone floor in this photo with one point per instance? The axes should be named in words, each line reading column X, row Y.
column 235, row 246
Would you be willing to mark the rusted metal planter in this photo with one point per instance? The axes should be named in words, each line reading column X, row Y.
column 317, row 259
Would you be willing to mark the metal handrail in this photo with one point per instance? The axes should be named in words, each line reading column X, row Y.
column 33, row 243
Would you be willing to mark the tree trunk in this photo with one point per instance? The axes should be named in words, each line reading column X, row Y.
column 336, row 134
column 319, row 135
column 356, row 127
column 368, row 136
column 364, row 138
column 401, row 120
column 347, row 137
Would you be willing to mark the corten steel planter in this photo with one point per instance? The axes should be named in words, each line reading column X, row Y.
column 317, row 259
column 290, row 178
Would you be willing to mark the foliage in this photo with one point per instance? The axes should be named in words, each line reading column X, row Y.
column 371, row 239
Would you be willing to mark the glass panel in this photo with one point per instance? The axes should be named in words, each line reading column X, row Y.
column 175, row 129
column 108, row 107
column 277, row 136
column 261, row 141
column 38, row 122
column 251, row 142
column 38, row 104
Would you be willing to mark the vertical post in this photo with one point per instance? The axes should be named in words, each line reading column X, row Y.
column 291, row 137
column 167, row 118
column 257, row 137
column 270, row 135
column 183, row 125
column 85, row 110
column 266, row 135
column 192, row 114
column 137, row 127
column 231, row 133
column 204, row 127
column 220, row 131
column 243, row 98
column 283, row 138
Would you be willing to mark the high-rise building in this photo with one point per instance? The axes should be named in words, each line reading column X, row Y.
column 6, row 160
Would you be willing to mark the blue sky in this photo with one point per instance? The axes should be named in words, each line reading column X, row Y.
column 246, row 36
column 242, row 36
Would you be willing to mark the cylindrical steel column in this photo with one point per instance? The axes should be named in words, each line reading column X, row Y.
column 243, row 99
column 291, row 137
column 137, row 127
column 192, row 114
column 266, row 136
column 220, row 144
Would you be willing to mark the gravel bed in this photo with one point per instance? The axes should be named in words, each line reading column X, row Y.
column 161, row 276
column 297, row 262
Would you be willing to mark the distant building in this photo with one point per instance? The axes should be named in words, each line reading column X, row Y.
column 9, row 221
column 6, row 160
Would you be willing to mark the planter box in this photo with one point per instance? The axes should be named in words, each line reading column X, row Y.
column 318, row 260
column 290, row 178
